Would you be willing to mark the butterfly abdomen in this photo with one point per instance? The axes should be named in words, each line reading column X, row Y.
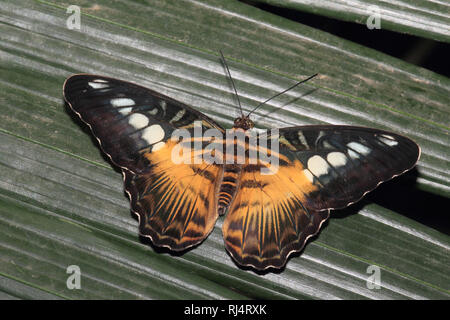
column 229, row 186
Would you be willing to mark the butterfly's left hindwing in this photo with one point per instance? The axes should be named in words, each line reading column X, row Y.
column 176, row 203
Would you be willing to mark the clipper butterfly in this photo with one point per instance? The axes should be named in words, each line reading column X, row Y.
column 268, row 216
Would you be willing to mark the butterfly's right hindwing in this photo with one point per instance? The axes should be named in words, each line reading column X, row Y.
column 320, row 168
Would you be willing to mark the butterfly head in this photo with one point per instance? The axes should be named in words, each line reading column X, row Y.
column 243, row 122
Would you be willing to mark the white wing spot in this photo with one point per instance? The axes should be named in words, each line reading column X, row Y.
column 122, row 102
column 353, row 154
column 138, row 121
column 321, row 134
column 100, row 81
column 163, row 104
column 178, row 116
column 337, row 159
column 153, row 134
column 318, row 166
column 389, row 140
column 358, row 147
column 302, row 139
column 328, row 145
column 96, row 85
column 125, row 111
column 308, row 175
column 158, row 146
column 153, row 112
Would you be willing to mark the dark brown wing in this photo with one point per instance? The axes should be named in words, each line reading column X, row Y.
column 176, row 203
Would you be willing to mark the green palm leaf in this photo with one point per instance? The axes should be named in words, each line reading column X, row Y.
column 62, row 204
column 428, row 19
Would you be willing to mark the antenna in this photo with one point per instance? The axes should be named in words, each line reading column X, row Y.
column 232, row 82
column 290, row 88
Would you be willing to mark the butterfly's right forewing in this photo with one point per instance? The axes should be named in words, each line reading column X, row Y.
column 346, row 162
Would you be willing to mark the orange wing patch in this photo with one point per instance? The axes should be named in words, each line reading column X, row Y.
column 176, row 203
column 267, row 220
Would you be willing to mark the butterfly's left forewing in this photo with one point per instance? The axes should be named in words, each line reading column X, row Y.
column 126, row 118
column 176, row 203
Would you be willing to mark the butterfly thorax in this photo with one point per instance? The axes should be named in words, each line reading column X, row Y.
column 243, row 122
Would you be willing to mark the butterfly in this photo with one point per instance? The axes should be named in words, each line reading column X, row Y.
column 268, row 216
